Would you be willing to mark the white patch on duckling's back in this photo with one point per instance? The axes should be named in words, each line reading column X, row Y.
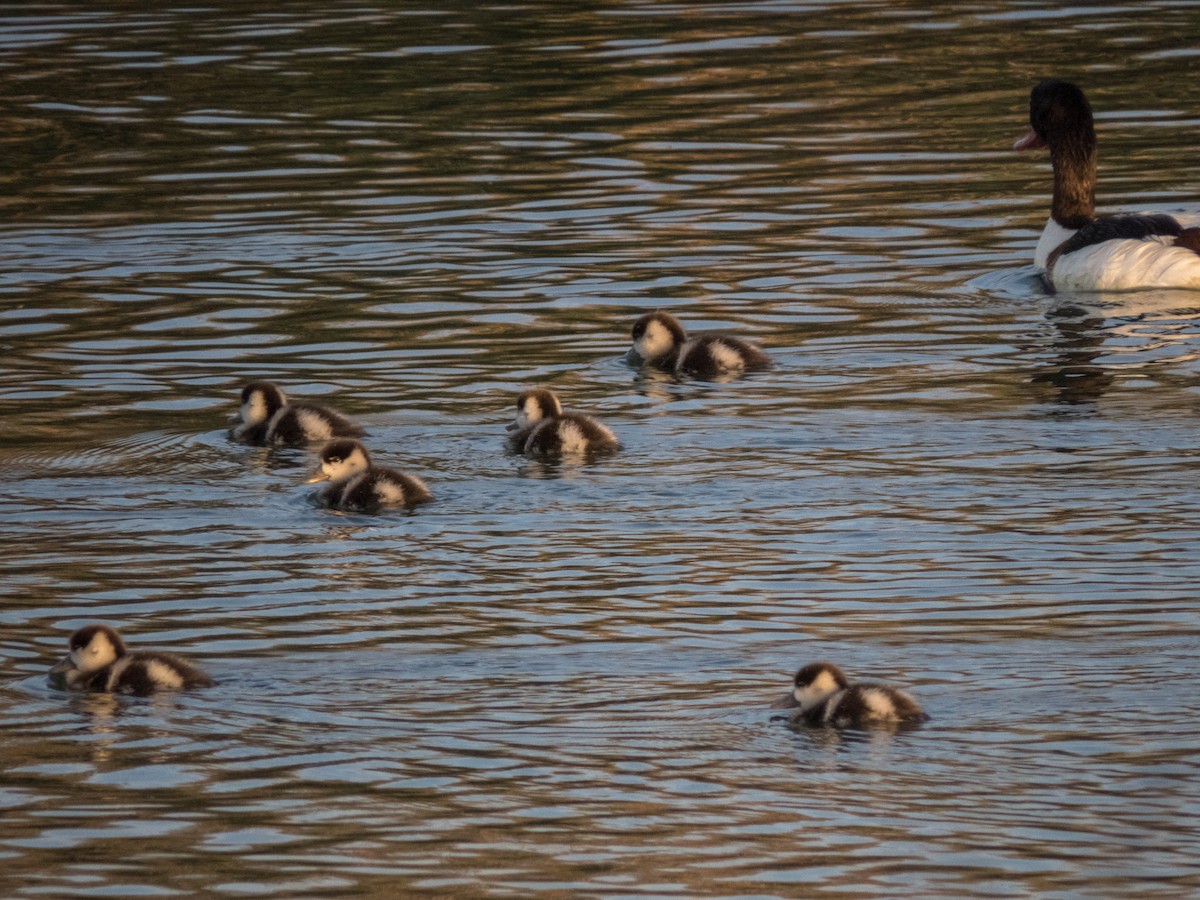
column 572, row 438
column 163, row 675
column 316, row 427
column 389, row 491
column 725, row 356
column 879, row 703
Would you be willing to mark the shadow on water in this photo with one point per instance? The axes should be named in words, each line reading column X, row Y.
column 1102, row 338
column 1074, row 373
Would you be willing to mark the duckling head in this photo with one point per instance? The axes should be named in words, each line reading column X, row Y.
column 342, row 459
column 91, row 649
column 535, row 405
column 260, row 401
column 813, row 685
column 656, row 335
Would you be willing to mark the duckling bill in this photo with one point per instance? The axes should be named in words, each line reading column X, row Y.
column 541, row 428
column 99, row 661
column 266, row 416
column 822, row 695
column 358, row 485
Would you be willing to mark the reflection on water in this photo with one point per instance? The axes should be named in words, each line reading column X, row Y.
column 556, row 678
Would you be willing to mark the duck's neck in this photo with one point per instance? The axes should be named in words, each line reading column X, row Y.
column 1074, row 162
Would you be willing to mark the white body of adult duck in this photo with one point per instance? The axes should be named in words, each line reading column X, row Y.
column 541, row 428
column 267, row 417
column 98, row 661
column 822, row 695
column 1077, row 250
column 360, row 486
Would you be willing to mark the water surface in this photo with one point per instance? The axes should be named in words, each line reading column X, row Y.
column 554, row 680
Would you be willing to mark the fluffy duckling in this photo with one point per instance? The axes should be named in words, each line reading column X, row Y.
column 360, row 486
column 543, row 429
column 822, row 695
column 660, row 341
column 266, row 417
column 98, row 661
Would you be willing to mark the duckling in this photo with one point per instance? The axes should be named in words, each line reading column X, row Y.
column 98, row 661
column 823, row 696
column 360, row 486
column 659, row 340
column 543, row 429
column 266, row 417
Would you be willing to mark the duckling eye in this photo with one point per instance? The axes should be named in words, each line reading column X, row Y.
column 335, row 459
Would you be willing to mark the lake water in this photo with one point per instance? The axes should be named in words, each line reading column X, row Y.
column 554, row 681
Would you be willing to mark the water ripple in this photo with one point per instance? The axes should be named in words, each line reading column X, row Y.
column 555, row 678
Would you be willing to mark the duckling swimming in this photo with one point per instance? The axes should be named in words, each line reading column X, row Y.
column 659, row 340
column 98, row 661
column 266, row 417
column 360, row 486
column 823, row 696
column 543, row 429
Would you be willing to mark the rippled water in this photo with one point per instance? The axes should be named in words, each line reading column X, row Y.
column 554, row 680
